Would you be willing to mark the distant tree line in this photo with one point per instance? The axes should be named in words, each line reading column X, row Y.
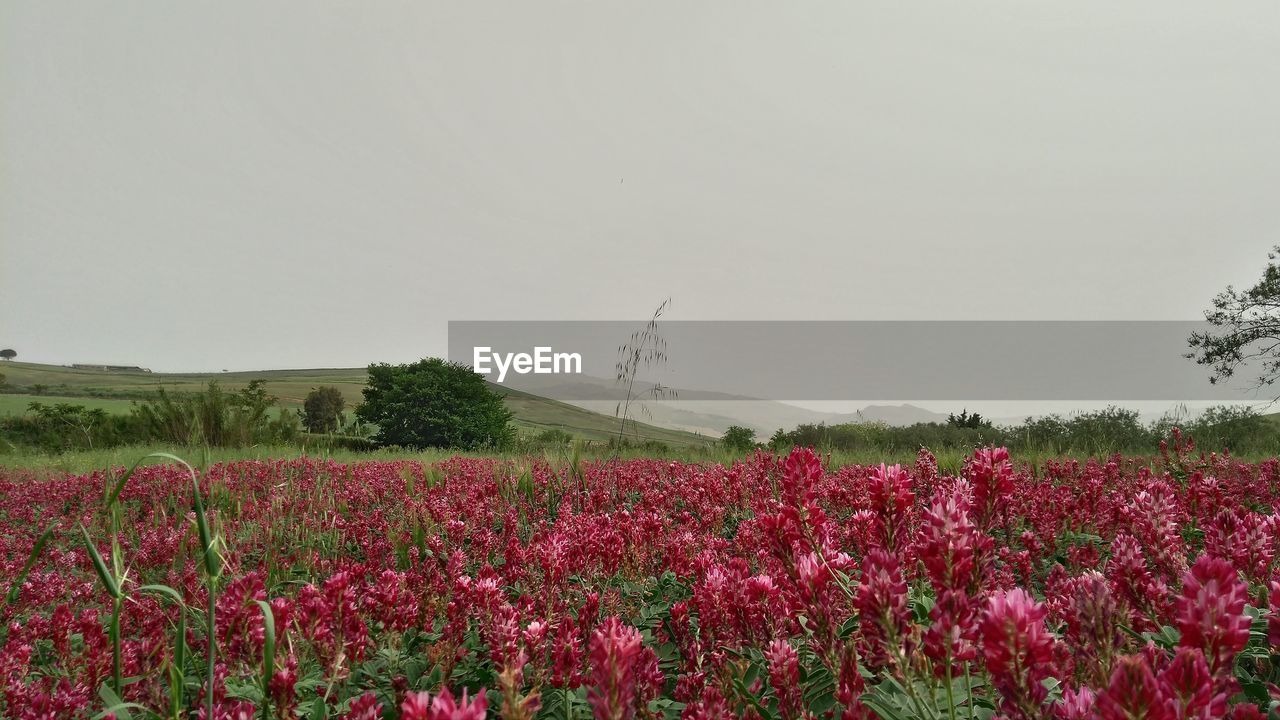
column 1238, row 428
column 430, row 403
column 214, row 417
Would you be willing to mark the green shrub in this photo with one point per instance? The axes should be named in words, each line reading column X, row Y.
column 216, row 417
column 322, row 410
column 434, row 403
column 738, row 438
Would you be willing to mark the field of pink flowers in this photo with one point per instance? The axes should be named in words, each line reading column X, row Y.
column 774, row 588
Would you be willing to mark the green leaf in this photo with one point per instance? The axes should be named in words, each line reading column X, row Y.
column 268, row 654
column 212, row 561
column 115, row 705
column 108, row 582
column 163, row 590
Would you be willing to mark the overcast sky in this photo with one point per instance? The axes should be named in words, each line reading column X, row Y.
column 198, row 186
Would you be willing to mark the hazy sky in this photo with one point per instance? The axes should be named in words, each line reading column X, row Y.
column 243, row 185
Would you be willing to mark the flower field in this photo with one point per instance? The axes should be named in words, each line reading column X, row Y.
column 774, row 588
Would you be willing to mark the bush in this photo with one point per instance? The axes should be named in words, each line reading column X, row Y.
column 1240, row 429
column 434, row 403
column 322, row 410
column 739, row 438
column 216, row 417
column 65, row 426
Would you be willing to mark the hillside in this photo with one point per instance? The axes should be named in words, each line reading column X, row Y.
column 114, row 391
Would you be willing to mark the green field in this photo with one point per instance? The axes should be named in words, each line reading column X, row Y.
column 11, row 404
column 114, row 391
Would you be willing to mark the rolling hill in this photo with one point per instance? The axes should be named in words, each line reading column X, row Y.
column 114, row 391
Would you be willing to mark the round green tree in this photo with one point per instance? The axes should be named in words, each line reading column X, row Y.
column 433, row 403
column 322, row 410
column 739, row 438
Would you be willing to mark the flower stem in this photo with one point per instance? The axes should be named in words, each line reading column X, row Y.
column 213, row 645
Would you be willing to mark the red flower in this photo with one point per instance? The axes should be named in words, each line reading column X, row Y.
column 1210, row 612
column 1019, row 651
column 1075, row 705
column 990, row 473
column 365, row 707
column 1187, row 690
column 1133, row 693
column 616, row 655
column 891, row 500
column 784, row 676
column 421, row 706
column 881, row 599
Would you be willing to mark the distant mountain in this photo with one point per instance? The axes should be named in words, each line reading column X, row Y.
column 900, row 415
column 706, row 412
column 764, row 416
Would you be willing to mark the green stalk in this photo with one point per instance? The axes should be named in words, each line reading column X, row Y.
column 210, row 627
column 117, row 674
column 951, row 698
column 212, row 561
column 968, row 687
column 111, row 583
column 268, row 655
column 213, row 568
column 178, row 667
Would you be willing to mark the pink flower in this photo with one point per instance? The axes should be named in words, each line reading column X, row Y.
column 615, row 659
column 1273, row 620
column 1133, row 582
column 1246, row 712
column 990, row 473
column 1019, row 651
column 1210, row 612
column 891, row 500
column 954, row 551
column 1187, row 690
column 1093, row 623
column 421, row 706
column 1133, row 692
column 365, row 707
column 881, row 599
column 801, row 472
column 950, row 641
column 1075, row 705
column 784, row 676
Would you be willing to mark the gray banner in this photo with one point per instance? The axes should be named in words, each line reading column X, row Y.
column 850, row 360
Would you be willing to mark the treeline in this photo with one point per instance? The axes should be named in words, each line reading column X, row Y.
column 214, row 417
column 1240, row 429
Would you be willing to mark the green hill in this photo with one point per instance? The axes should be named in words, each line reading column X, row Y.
column 114, row 391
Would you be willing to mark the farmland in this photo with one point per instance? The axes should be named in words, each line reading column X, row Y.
column 114, row 390
column 771, row 588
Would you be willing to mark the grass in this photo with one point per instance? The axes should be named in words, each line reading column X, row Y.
column 533, row 414
column 11, row 404
column 950, row 460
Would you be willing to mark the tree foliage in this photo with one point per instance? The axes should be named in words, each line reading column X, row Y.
column 322, row 410
column 434, row 403
column 1246, row 328
column 8, row 354
column 738, row 438
column 965, row 420
column 1113, row 429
